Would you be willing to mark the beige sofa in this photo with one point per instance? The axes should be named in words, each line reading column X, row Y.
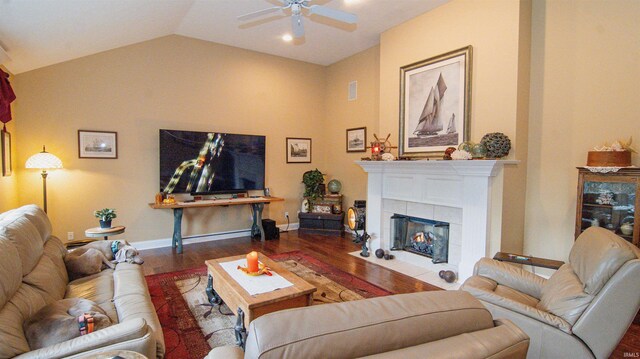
column 33, row 274
column 442, row 324
column 582, row 311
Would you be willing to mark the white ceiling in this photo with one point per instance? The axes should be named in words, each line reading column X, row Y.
column 38, row 33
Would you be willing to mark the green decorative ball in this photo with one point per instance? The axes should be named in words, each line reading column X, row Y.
column 334, row 186
column 497, row 144
column 466, row 146
column 479, row 151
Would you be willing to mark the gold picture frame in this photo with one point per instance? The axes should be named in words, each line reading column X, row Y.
column 6, row 153
column 435, row 104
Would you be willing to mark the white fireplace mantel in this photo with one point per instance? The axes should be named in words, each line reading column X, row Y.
column 472, row 188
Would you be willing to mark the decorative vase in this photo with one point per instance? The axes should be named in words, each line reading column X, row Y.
column 626, row 229
column 304, row 208
column 105, row 224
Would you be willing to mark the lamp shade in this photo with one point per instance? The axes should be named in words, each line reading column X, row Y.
column 43, row 160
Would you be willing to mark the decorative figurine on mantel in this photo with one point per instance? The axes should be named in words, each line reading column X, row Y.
column 380, row 148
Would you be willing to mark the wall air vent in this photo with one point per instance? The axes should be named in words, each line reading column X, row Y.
column 353, row 90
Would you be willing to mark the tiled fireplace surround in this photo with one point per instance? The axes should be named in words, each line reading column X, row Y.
column 467, row 194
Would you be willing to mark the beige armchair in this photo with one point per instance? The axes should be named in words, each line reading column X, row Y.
column 581, row 311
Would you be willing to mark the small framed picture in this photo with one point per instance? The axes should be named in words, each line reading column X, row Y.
column 6, row 153
column 298, row 150
column 356, row 139
column 97, row 144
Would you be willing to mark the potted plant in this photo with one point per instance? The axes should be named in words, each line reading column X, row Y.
column 105, row 216
column 313, row 186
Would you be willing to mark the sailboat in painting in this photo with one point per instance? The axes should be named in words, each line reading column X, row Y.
column 429, row 123
column 451, row 128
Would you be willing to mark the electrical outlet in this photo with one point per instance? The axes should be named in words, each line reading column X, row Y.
column 286, row 214
column 70, row 236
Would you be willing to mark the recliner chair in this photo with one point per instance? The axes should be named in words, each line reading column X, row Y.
column 582, row 311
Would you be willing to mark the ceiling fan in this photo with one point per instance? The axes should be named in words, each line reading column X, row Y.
column 296, row 7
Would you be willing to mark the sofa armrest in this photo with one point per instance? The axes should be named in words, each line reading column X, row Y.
column 132, row 335
column 510, row 276
column 518, row 307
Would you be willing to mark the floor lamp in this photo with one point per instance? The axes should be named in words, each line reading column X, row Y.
column 44, row 161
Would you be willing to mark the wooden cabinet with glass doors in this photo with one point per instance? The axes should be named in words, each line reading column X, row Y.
column 609, row 200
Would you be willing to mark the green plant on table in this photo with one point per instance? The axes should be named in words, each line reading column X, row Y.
column 312, row 181
column 105, row 214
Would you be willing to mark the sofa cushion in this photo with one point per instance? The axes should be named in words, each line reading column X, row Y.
column 38, row 218
column 97, row 288
column 57, row 322
column 26, row 238
column 49, row 274
column 24, row 303
column 597, row 255
column 10, row 270
column 132, row 300
column 563, row 295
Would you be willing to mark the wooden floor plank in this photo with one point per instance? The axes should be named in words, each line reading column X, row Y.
column 332, row 250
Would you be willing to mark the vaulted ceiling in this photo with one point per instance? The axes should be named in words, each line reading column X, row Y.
column 38, row 33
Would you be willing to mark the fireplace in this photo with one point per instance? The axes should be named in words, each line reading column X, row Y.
column 465, row 194
column 421, row 236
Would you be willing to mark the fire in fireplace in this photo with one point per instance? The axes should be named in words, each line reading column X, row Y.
column 421, row 236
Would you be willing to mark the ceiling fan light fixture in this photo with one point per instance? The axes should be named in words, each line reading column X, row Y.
column 287, row 37
column 296, row 7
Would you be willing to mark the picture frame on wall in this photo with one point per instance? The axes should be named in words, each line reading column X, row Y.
column 357, row 139
column 298, row 150
column 97, row 144
column 435, row 103
column 5, row 142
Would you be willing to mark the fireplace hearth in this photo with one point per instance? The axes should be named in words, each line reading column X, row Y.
column 421, row 236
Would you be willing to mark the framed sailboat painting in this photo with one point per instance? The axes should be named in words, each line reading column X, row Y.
column 435, row 102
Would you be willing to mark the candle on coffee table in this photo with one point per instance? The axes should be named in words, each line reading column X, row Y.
column 252, row 262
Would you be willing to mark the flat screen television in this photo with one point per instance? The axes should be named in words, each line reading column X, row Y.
column 210, row 162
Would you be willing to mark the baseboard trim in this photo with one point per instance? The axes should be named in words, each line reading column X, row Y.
column 200, row 238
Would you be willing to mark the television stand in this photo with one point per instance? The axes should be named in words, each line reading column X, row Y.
column 257, row 205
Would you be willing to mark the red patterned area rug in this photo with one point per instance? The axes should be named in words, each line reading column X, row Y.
column 192, row 326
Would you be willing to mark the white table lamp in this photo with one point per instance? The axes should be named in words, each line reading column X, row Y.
column 44, row 161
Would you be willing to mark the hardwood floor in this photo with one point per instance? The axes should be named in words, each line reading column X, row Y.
column 332, row 250
column 329, row 249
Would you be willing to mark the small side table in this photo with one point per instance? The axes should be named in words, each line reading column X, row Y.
column 104, row 232
column 527, row 260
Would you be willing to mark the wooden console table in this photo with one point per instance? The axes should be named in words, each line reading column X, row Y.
column 256, row 203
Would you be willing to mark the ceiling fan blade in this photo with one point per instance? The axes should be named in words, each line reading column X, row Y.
column 258, row 13
column 296, row 25
column 333, row 14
